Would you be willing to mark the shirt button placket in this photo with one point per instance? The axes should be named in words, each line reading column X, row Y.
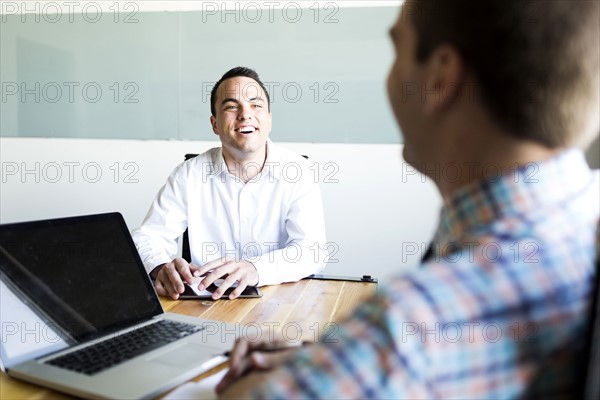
column 245, row 228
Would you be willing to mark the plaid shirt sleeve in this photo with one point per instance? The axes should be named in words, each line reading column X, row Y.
column 361, row 360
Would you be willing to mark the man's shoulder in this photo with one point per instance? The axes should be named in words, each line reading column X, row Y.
column 202, row 163
column 284, row 155
column 288, row 166
column 206, row 156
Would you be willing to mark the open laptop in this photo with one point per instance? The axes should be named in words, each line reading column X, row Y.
column 71, row 288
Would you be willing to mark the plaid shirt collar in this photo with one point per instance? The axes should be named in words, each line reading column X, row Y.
column 472, row 208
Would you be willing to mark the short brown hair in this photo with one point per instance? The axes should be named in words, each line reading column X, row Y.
column 234, row 73
column 536, row 62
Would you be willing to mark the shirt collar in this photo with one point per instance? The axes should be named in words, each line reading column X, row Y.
column 272, row 164
column 218, row 163
column 522, row 192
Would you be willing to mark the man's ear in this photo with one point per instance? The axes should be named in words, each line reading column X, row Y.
column 444, row 80
column 213, row 123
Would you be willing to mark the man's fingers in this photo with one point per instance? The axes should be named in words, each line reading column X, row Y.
column 242, row 285
column 266, row 361
column 245, row 359
column 171, row 281
column 243, row 348
column 237, row 291
column 171, row 291
column 167, row 287
column 233, row 375
column 243, row 272
column 211, row 265
column 238, row 363
column 183, row 269
column 175, row 280
column 172, row 276
column 226, row 284
column 160, row 289
column 195, row 270
column 212, row 276
column 239, row 351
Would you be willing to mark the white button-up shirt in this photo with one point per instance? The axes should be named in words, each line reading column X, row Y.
column 275, row 221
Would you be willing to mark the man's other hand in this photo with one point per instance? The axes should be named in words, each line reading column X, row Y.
column 171, row 277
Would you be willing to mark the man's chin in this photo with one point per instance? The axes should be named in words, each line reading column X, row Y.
column 407, row 155
column 252, row 146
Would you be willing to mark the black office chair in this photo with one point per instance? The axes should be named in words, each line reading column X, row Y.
column 185, row 246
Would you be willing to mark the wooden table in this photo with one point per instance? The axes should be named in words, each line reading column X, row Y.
column 301, row 311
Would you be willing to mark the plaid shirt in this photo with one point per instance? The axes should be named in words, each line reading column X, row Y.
column 498, row 311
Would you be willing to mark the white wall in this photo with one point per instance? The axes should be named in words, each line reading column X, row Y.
column 375, row 213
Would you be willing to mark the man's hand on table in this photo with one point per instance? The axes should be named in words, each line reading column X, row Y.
column 171, row 277
column 243, row 272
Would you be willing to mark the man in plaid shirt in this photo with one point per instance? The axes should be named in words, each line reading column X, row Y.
column 506, row 97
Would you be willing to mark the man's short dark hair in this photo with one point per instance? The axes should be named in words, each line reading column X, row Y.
column 536, row 62
column 234, row 73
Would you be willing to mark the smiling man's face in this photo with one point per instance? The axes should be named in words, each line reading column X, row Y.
column 243, row 120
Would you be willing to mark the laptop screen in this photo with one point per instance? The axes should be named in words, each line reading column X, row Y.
column 83, row 273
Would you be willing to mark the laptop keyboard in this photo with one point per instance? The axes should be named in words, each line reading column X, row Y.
column 96, row 358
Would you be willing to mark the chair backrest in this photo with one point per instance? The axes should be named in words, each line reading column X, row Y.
column 185, row 246
column 186, row 253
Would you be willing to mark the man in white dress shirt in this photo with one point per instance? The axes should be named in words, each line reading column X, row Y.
column 253, row 210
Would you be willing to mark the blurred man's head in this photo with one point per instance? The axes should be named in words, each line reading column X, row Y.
column 533, row 67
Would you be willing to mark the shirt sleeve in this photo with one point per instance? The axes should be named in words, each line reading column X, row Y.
column 305, row 251
column 166, row 220
column 359, row 358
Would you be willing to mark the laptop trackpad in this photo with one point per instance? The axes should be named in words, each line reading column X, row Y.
column 186, row 355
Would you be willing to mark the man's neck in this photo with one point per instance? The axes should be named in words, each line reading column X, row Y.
column 245, row 166
column 456, row 174
column 473, row 154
